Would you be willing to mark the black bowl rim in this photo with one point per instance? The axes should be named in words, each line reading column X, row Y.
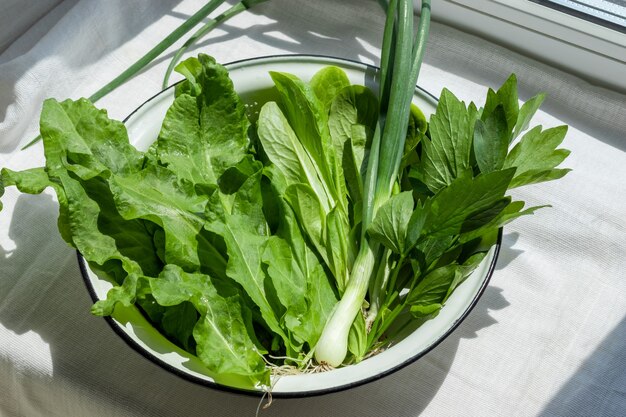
column 301, row 394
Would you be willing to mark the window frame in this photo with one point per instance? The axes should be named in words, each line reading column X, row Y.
column 594, row 52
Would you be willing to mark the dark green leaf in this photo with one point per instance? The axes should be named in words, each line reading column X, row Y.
column 223, row 342
column 534, row 176
column 509, row 213
column 245, row 251
column 465, row 197
column 178, row 322
column 433, row 288
column 491, row 141
column 416, row 224
column 507, row 97
column 485, row 215
column 431, row 249
column 445, row 156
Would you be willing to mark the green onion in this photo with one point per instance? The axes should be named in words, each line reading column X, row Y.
column 209, row 26
column 400, row 61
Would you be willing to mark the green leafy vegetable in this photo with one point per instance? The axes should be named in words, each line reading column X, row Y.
column 346, row 220
column 221, row 322
column 446, row 154
column 392, row 219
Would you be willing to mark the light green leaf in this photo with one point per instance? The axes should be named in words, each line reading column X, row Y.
column 82, row 139
column 205, row 130
column 133, row 238
column 97, row 248
column 247, row 199
column 300, row 280
column 354, row 105
column 124, row 294
column 157, row 195
column 288, row 279
column 79, row 221
column 327, row 83
column 357, row 339
column 536, row 155
column 526, row 113
column 336, row 243
column 301, row 285
column 309, row 120
column 354, row 164
column 352, row 120
column 81, row 144
column 284, row 150
column 389, row 227
column 308, row 210
column 418, row 125
column 31, row 181
column 415, row 132
column 427, row 311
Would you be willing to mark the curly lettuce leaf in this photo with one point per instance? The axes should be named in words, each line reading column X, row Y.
column 222, row 331
column 204, row 132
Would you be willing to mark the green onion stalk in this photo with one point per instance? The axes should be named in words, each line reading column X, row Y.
column 208, row 27
column 401, row 60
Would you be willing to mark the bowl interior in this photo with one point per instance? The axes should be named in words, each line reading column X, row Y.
column 253, row 83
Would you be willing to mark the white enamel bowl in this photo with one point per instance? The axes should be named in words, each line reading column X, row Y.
column 252, row 82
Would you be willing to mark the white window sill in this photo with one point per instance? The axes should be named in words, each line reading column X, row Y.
column 593, row 52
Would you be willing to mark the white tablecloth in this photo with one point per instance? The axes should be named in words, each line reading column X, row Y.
column 547, row 338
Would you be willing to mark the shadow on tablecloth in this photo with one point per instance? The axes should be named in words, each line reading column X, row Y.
column 60, row 36
column 601, row 379
column 283, row 28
